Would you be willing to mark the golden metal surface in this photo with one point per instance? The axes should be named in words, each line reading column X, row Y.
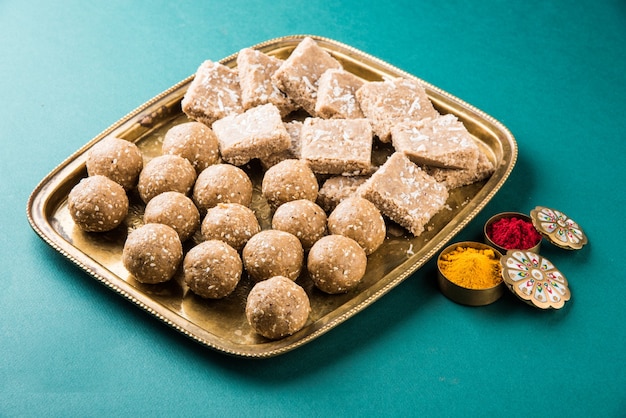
column 221, row 325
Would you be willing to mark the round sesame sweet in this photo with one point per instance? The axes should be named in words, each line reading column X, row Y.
column 165, row 173
column 152, row 253
column 117, row 159
column 232, row 223
column 273, row 253
column 212, row 269
column 289, row 180
column 359, row 219
column 302, row 218
column 97, row 204
column 277, row 307
column 336, row 264
column 176, row 210
column 194, row 141
column 222, row 183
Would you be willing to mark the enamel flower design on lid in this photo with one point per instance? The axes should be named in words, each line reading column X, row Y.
column 558, row 228
column 534, row 279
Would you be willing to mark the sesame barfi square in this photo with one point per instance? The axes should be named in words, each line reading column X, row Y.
column 299, row 75
column 440, row 142
column 337, row 146
column 256, row 133
column 255, row 78
column 337, row 188
column 213, row 93
column 454, row 178
column 336, row 95
column 293, row 152
column 386, row 103
column 404, row 193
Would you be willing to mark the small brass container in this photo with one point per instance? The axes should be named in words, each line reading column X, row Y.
column 464, row 295
column 495, row 218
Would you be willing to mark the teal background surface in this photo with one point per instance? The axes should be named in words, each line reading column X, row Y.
column 554, row 72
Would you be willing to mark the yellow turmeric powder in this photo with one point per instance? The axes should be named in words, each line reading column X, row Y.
column 471, row 268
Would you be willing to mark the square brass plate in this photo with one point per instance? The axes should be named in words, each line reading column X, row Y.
column 221, row 324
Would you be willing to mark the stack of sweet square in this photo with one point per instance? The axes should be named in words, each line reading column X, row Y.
column 401, row 113
column 444, row 148
column 243, row 106
column 252, row 112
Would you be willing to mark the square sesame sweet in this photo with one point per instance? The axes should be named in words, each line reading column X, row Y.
column 255, row 78
column 336, row 95
column 213, row 94
column 405, row 193
column 256, row 133
column 454, row 178
column 385, row 103
column 440, row 142
column 293, row 152
column 299, row 75
column 337, row 188
column 337, row 146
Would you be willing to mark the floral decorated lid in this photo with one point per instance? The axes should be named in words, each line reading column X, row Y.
column 534, row 279
column 558, row 228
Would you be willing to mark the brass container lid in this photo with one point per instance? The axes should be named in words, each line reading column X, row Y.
column 534, row 279
column 558, row 228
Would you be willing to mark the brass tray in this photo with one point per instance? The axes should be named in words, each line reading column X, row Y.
column 221, row 325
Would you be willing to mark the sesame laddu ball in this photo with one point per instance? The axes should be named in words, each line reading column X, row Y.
column 165, row 173
column 176, row 210
column 232, row 223
column 273, row 253
column 336, row 264
column 358, row 218
column 222, row 183
column 277, row 307
column 193, row 141
column 212, row 269
column 289, row 180
column 302, row 218
column 117, row 159
column 152, row 253
column 97, row 204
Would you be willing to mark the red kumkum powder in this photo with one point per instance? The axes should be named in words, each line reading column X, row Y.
column 513, row 233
